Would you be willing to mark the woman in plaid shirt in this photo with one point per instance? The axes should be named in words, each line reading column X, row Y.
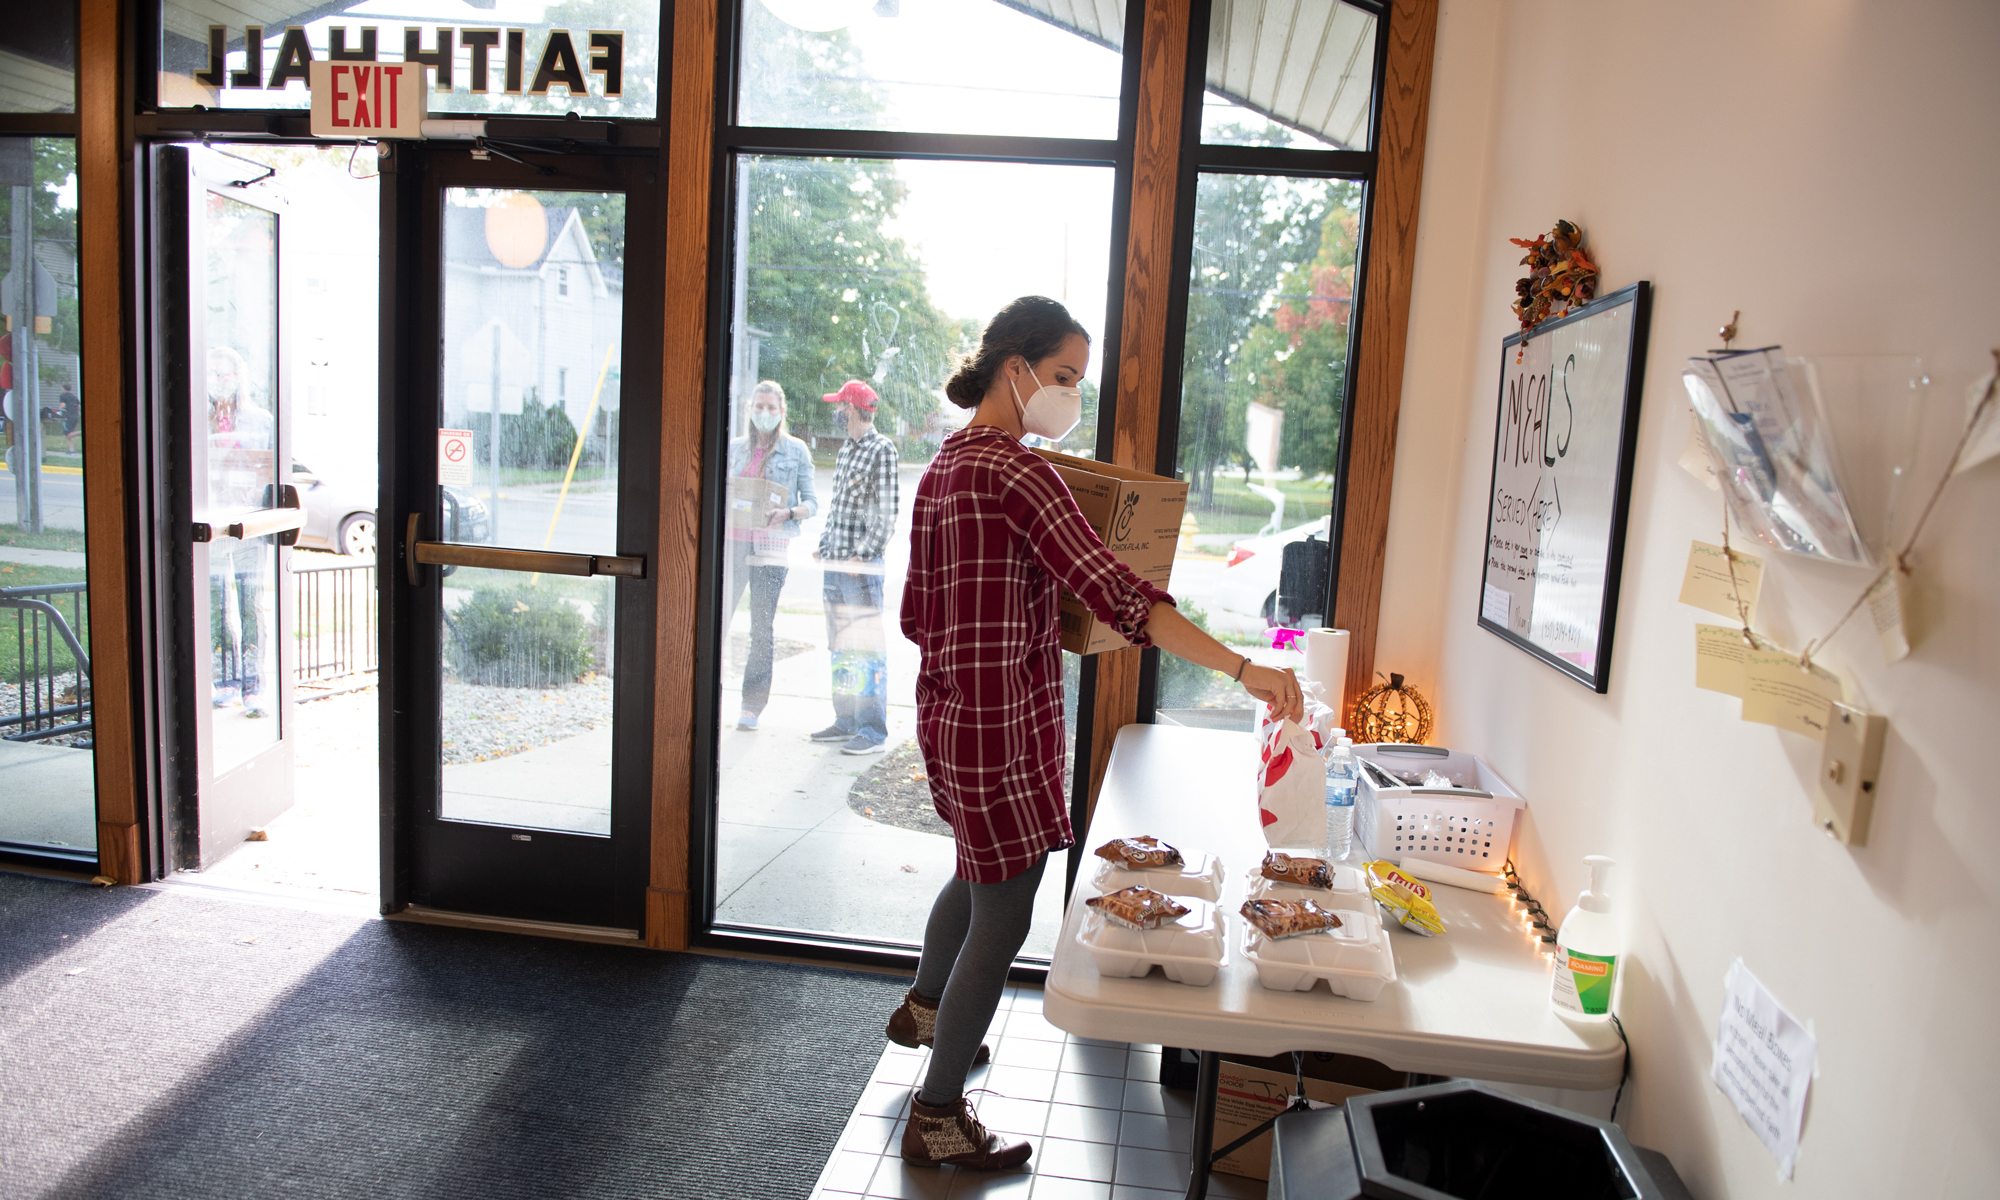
column 995, row 535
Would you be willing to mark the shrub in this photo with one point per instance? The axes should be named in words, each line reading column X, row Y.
column 519, row 637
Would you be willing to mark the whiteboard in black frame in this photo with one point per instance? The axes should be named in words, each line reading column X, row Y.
column 1563, row 439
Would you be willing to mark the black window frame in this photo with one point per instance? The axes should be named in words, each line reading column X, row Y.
column 731, row 140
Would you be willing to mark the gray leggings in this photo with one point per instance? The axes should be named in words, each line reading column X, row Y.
column 974, row 933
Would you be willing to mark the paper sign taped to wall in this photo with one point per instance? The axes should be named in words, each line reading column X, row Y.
column 1718, row 659
column 1764, row 1064
column 1885, row 604
column 1777, row 691
column 455, row 456
column 1707, row 584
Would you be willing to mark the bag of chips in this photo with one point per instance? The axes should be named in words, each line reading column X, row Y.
column 1404, row 899
column 1305, row 872
column 1287, row 918
column 1140, row 853
column 1139, row 907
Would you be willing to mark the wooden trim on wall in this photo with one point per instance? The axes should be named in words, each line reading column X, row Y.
column 1378, row 379
column 104, row 249
column 684, row 344
column 1142, row 341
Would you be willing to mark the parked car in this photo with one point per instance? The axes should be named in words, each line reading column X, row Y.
column 340, row 514
column 1248, row 584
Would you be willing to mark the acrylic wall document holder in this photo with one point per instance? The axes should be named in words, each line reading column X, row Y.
column 1813, row 452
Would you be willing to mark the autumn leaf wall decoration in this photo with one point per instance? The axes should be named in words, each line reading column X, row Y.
column 1560, row 276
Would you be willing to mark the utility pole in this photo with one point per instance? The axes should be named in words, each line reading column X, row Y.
column 27, row 405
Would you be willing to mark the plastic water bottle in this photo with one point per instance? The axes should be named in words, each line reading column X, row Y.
column 1340, row 779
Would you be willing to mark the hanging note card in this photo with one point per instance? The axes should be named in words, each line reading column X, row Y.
column 1777, row 691
column 1885, row 604
column 1707, row 585
column 1984, row 441
column 1764, row 1064
column 1718, row 659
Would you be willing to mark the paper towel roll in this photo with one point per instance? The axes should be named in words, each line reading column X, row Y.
column 1326, row 661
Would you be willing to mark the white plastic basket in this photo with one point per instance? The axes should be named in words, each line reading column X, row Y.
column 1470, row 826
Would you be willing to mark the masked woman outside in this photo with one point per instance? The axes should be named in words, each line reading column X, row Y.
column 757, row 556
column 995, row 535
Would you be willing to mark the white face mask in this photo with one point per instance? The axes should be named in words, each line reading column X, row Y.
column 765, row 420
column 1051, row 412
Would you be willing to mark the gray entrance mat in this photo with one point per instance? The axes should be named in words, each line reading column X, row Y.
column 164, row 1044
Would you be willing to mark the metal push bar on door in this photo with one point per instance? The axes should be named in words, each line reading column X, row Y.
column 457, row 554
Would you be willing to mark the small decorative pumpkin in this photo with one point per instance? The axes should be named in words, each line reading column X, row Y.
column 1391, row 712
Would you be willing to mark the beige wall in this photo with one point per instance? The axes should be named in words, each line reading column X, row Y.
column 1832, row 169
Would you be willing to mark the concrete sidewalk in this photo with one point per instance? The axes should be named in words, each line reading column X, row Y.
column 72, row 560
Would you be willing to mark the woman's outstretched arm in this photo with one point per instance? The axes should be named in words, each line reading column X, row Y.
column 1174, row 633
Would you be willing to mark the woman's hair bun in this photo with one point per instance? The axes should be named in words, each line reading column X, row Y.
column 1033, row 327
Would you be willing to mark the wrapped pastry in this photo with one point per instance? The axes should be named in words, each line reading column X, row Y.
column 1305, row 872
column 1140, row 853
column 1287, row 918
column 1139, row 907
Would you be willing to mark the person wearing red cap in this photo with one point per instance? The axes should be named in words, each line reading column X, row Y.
column 859, row 520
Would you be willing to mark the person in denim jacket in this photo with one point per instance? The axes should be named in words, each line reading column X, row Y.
column 757, row 557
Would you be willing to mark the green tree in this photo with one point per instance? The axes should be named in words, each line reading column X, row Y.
column 1299, row 356
column 832, row 296
column 1251, row 231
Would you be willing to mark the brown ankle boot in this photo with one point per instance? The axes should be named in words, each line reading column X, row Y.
column 915, row 1024
column 952, row 1136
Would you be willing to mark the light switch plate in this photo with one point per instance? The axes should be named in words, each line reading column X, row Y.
column 1848, row 766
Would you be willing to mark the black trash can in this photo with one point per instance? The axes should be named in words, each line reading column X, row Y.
column 1460, row 1140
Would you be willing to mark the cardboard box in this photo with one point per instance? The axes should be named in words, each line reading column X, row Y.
column 1250, row 1095
column 1139, row 517
column 751, row 500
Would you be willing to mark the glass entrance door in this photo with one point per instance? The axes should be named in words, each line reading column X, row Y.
column 227, row 392
column 521, row 673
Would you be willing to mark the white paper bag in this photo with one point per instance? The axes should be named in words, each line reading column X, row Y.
column 1291, row 786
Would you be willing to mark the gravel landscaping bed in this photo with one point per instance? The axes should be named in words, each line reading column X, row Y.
column 895, row 792
column 481, row 722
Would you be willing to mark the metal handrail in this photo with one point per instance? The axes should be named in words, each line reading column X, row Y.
column 32, row 600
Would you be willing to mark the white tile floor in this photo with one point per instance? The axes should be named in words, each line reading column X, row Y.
column 1102, row 1127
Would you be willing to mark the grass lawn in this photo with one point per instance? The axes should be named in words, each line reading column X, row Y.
column 47, row 539
column 15, row 624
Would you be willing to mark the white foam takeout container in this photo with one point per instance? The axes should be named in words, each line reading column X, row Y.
column 1199, row 876
column 1355, row 959
column 1190, row 950
column 1349, row 890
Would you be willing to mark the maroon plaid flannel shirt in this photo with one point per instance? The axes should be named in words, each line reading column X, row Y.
column 994, row 536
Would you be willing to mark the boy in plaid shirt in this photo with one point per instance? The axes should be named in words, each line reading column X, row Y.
column 859, row 520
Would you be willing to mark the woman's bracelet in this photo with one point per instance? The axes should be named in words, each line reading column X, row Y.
column 1245, row 661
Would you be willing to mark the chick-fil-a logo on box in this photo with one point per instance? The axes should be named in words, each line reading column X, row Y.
column 365, row 99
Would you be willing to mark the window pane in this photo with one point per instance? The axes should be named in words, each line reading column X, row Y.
column 933, row 66
column 534, row 306
column 595, row 57
column 241, row 356
column 1296, row 73
column 38, row 58
column 881, row 272
column 49, row 798
column 1270, row 300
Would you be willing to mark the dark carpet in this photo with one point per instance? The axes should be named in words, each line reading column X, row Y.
column 167, row 1045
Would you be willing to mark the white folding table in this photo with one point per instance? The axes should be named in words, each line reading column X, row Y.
column 1472, row 1003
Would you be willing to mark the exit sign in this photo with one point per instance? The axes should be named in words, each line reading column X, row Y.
column 368, row 100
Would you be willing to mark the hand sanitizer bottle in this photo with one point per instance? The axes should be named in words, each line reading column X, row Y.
column 1587, row 949
column 1340, row 779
